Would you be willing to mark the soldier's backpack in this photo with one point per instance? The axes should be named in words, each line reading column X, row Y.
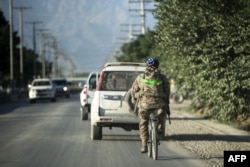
column 153, row 90
column 153, row 85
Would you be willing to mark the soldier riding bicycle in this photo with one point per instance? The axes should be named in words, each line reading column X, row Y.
column 150, row 93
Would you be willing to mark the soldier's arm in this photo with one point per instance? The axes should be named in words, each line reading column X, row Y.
column 135, row 90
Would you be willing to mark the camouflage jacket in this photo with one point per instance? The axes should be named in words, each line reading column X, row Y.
column 151, row 89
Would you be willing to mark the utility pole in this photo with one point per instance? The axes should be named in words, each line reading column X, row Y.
column 142, row 10
column 11, row 44
column 34, row 45
column 53, row 45
column 131, row 31
column 143, row 17
column 21, row 9
column 55, row 55
column 42, row 54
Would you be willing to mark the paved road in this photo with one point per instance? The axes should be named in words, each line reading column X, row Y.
column 52, row 135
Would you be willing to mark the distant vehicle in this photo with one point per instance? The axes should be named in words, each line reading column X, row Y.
column 62, row 87
column 41, row 89
column 87, row 94
column 76, row 84
column 110, row 104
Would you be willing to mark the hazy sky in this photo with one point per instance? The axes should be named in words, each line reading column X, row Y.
column 87, row 31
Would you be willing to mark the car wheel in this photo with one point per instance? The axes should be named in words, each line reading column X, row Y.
column 96, row 132
column 84, row 113
column 53, row 99
column 89, row 108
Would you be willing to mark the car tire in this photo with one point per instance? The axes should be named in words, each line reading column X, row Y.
column 53, row 99
column 96, row 132
column 84, row 113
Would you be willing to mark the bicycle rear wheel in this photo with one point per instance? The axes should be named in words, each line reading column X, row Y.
column 154, row 140
column 149, row 140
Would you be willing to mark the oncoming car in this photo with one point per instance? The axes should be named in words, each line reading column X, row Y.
column 109, row 107
column 42, row 89
column 62, row 87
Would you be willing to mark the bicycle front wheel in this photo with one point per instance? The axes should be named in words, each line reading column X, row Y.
column 154, row 140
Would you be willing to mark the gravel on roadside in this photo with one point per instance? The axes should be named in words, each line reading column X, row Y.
column 205, row 138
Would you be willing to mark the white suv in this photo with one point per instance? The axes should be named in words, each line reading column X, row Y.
column 42, row 89
column 87, row 94
column 109, row 107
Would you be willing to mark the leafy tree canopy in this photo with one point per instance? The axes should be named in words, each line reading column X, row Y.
column 204, row 46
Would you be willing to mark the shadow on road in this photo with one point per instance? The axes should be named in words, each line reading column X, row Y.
column 208, row 137
column 163, row 158
column 187, row 118
column 121, row 137
column 10, row 107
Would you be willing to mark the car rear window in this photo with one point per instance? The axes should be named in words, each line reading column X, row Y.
column 118, row 80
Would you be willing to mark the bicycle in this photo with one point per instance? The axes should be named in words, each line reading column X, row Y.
column 154, row 139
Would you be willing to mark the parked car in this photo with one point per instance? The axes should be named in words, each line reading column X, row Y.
column 41, row 89
column 109, row 107
column 62, row 87
column 87, row 94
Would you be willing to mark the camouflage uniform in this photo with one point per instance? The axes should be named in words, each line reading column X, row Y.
column 152, row 91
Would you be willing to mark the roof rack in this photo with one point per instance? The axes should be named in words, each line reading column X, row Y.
column 124, row 64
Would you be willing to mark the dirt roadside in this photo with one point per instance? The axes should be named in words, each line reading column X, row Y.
column 206, row 138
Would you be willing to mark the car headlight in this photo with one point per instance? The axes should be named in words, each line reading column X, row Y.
column 65, row 88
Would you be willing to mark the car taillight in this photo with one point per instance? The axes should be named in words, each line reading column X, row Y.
column 84, row 90
column 99, row 85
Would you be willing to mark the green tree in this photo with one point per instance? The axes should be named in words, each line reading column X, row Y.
column 5, row 51
column 208, row 43
column 139, row 49
column 28, row 59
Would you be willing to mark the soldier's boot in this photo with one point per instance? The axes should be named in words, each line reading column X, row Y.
column 144, row 147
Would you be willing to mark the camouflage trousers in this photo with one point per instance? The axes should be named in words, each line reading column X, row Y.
column 143, row 115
